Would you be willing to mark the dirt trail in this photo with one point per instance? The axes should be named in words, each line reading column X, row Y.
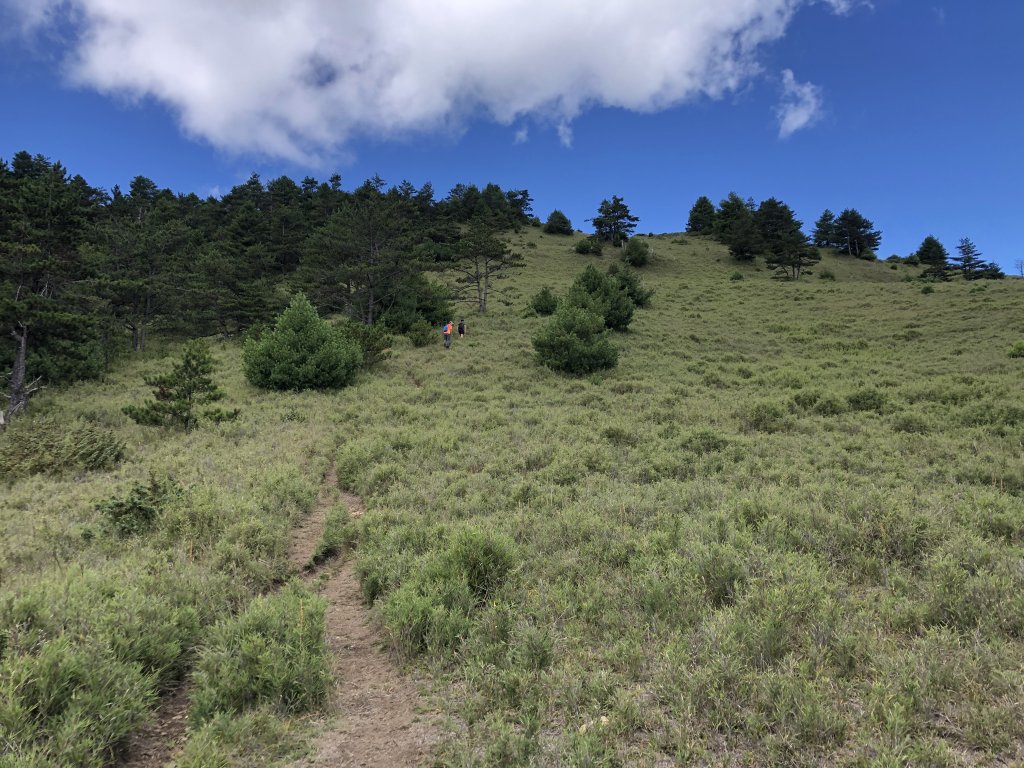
column 158, row 741
column 381, row 716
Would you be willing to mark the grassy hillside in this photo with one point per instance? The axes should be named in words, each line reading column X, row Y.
column 788, row 528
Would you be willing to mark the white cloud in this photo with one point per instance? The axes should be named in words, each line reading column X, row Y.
column 300, row 78
column 565, row 133
column 800, row 106
column 522, row 135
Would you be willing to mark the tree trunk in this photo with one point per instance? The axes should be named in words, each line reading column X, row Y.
column 17, row 394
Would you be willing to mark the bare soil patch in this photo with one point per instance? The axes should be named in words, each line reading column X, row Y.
column 157, row 742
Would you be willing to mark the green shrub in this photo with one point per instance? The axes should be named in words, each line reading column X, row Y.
column 421, row 334
column 830, row 404
column 373, row 340
column 336, row 534
column 134, row 513
column 544, row 302
column 826, row 274
column 631, row 282
column 51, row 445
column 927, row 289
column 866, row 399
column 588, row 246
column 636, row 253
column 302, row 351
column 736, row 276
column 1017, row 350
column 603, row 295
column 575, row 341
column 272, row 654
column 764, row 416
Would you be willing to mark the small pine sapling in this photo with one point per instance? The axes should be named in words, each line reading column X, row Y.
column 181, row 393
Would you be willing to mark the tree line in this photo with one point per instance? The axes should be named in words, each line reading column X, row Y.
column 86, row 274
column 771, row 230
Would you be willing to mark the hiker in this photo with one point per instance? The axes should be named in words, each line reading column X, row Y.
column 462, row 329
column 446, row 329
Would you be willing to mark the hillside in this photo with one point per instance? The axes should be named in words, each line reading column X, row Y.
column 786, row 529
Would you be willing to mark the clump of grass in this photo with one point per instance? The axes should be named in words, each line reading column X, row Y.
column 256, row 737
column 273, row 654
column 432, row 611
column 50, row 445
column 1017, row 350
column 336, row 535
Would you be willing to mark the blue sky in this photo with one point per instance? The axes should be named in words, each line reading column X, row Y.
column 910, row 111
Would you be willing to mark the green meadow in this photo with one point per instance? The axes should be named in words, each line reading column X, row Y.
column 787, row 529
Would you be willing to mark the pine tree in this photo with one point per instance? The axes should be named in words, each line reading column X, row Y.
column 935, row 258
column 558, row 224
column 969, row 260
column 856, row 235
column 702, row 216
column 181, row 393
column 785, row 245
column 614, row 223
column 825, row 231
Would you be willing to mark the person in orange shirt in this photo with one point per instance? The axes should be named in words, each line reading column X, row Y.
column 447, row 329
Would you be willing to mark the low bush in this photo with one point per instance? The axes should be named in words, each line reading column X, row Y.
column 421, row 333
column 632, row 284
column 588, row 246
column 1017, row 350
column 575, row 341
column 736, row 276
column 273, row 654
column 544, row 302
column 764, row 416
column 826, row 274
column 302, row 351
column 51, row 445
column 373, row 340
column 866, row 399
column 603, row 295
column 485, row 558
column 135, row 512
column 636, row 253
column 257, row 737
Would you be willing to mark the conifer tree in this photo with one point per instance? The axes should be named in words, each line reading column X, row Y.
column 181, row 393
column 825, row 231
column 969, row 260
column 614, row 223
column 558, row 224
column 702, row 216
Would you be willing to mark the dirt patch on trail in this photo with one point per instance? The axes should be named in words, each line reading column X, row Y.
column 379, row 718
column 382, row 718
column 158, row 741
column 310, row 529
